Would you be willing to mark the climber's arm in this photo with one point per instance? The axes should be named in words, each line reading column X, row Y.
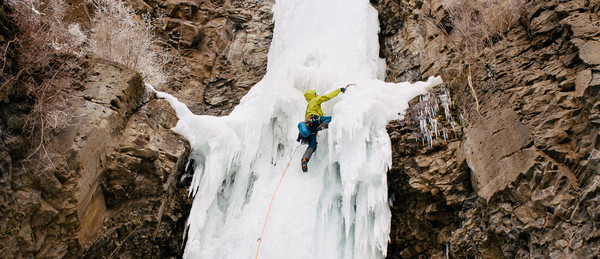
column 327, row 97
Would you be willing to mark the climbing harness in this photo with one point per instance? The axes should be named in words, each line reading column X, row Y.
column 269, row 211
column 312, row 119
column 312, row 126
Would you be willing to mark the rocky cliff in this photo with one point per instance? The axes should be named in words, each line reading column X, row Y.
column 513, row 171
column 113, row 168
column 522, row 180
column 222, row 48
column 111, row 179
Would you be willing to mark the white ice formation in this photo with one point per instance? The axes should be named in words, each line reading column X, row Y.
column 339, row 209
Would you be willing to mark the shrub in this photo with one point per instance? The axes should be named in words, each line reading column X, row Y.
column 43, row 64
column 477, row 24
column 117, row 37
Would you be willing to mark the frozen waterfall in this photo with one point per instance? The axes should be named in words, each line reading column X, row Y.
column 339, row 209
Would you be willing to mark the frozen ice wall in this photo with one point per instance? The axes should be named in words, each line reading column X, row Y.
column 339, row 209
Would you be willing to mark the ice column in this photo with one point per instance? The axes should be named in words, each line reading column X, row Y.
column 339, row 208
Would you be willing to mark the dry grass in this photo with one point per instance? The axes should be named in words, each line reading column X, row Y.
column 44, row 63
column 116, row 36
column 477, row 24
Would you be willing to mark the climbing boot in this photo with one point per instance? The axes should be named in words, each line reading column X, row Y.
column 307, row 154
column 304, row 165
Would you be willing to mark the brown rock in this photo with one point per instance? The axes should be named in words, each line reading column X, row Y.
column 68, row 221
column 567, row 85
column 111, row 94
column 53, row 248
column 589, row 52
column 497, row 151
column 583, row 25
column 544, row 22
column 582, row 82
column 529, row 145
column 524, row 214
column 224, row 50
column 143, row 170
column 49, row 183
column 571, row 6
column 28, row 201
column 185, row 32
column 25, row 238
column 595, row 77
column 44, row 214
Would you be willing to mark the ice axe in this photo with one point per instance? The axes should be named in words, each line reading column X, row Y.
column 344, row 89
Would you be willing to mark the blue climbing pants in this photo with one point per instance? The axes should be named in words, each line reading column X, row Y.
column 316, row 124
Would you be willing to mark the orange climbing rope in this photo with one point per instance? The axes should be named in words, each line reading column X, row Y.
column 269, row 211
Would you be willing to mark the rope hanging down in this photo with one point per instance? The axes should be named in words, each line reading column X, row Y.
column 269, row 211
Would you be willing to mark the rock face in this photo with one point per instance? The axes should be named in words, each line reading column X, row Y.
column 522, row 180
column 517, row 178
column 143, row 189
column 111, row 183
column 427, row 184
column 223, row 47
column 71, row 203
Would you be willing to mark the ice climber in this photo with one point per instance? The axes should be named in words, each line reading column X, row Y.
column 314, row 121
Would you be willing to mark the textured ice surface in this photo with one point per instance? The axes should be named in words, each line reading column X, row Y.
column 339, row 208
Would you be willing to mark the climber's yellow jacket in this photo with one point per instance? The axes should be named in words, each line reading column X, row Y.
column 314, row 101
